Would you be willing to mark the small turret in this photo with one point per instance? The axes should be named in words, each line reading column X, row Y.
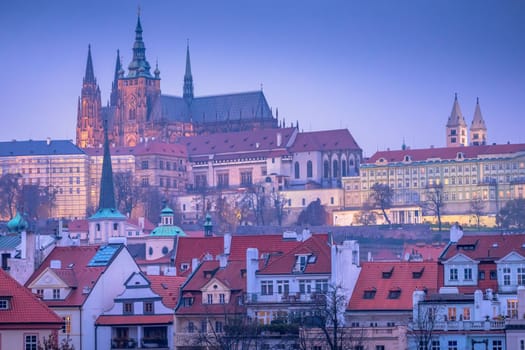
column 456, row 126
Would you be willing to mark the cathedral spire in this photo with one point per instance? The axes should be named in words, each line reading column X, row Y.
column 139, row 66
column 89, row 77
column 114, row 85
column 478, row 129
column 107, row 194
column 188, row 79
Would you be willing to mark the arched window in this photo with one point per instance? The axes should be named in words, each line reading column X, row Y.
column 344, row 168
column 309, row 169
column 296, row 168
column 335, row 168
column 326, row 169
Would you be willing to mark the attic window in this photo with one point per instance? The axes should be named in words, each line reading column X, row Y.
column 417, row 274
column 460, row 155
column 369, row 294
column 382, row 160
column 394, row 294
column 312, row 259
column 407, row 158
column 388, row 274
column 4, row 303
column 184, row 266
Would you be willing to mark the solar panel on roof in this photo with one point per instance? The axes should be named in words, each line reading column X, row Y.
column 104, row 255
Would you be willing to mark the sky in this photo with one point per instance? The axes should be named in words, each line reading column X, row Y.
column 386, row 70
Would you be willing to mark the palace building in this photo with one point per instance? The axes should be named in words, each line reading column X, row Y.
column 137, row 110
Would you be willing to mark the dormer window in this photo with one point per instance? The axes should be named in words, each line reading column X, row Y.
column 4, row 303
column 460, row 155
column 417, row 274
column 407, row 158
column 394, row 294
column 300, row 262
column 369, row 294
column 387, row 274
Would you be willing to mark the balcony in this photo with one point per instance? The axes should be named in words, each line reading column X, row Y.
column 470, row 325
column 284, row 298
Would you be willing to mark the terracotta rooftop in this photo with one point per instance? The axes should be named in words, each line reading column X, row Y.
column 123, row 320
column 25, row 310
column 445, row 153
column 328, row 140
column 316, row 247
column 423, row 250
column 74, row 270
column 145, row 148
column 389, row 285
column 167, row 287
column 486, row 247
column 255, row 143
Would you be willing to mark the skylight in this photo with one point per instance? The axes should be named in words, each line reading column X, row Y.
column 104, row 255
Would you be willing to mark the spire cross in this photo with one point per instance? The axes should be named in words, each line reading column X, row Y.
column 138, row 10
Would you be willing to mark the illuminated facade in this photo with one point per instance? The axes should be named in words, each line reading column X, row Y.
column 493, row 173
column 56, row 164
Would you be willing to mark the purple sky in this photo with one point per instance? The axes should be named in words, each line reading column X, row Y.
column 386, row 70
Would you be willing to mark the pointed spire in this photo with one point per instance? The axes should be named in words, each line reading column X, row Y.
column 114, row 86
column 139, row 66
column 107, row 194
column 89, row 77
column 456, row 116
column 478, row 129
column 187, row 89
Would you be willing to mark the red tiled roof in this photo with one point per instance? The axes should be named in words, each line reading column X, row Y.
column 110, row 320
column 426, row 251
column 444, row 153
column 146, row 148
column 316, row 245
column 25, row 309
column 78, row 226
column 78, row 258
column 328, row 140
column 148, row 226
column 168, row 287
column 486, row 247
column 401, row 279
column 230, row 276
column 247, row 142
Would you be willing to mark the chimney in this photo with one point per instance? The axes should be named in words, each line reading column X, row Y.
column 417, row 297
column 227, row 243
column 252, row 266
column 48, row 141
column 223, row 260
column 194, row 264
column 279, row 139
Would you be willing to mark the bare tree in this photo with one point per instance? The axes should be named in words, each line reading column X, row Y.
column 233, row 330
column 127, row 191
column 366, row 216
column 421, row 330
column 327, row 326
column 512, row 215
column 279, row 201
column 51, row 343
column 203, row 200
column 152, row 200
column 36, row 201
column 258, row 202
column 9, row 190
column 314, row 214
column 434, row 201
column 226, row 212
column 477, row 207
column 381, row 198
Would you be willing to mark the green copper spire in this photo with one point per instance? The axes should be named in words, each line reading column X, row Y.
column 188, row 79
column 139, row 66
column 89, row 77
column 107, row 194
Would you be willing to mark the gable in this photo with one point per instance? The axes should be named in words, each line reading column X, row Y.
column 47, row 279
column 137, row 280
column 214, row 285
column 512, row 257
column 460, row 259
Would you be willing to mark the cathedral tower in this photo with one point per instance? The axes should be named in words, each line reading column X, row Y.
column 89, row 128
column 138, row 105
column 478, row 129
column 456, row 127
column 187, row 89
